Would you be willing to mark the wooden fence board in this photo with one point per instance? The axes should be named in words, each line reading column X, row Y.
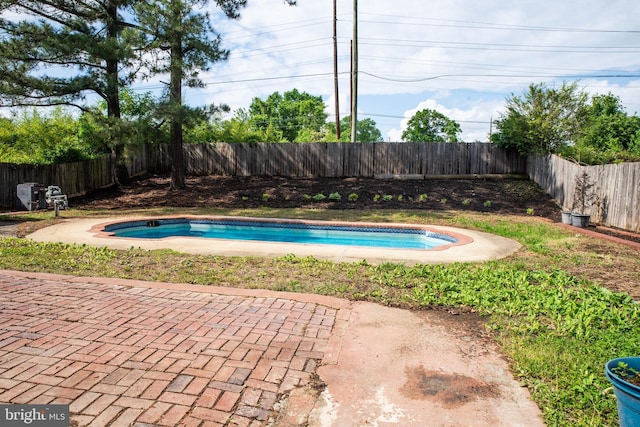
column 335, row 161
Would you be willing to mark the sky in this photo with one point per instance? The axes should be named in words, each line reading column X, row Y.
column 462, row 58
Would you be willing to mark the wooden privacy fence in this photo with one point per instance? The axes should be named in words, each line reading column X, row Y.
column 287, row 159
column 345, row 159
column 74, row 178
column 616, row 188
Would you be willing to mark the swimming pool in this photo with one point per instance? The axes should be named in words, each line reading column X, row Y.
column 471, row 245
column 284, row 231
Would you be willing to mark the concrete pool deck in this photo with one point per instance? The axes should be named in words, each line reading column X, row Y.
column 479, row 246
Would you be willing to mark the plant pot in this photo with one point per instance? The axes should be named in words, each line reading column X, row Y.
column 566, row 217
column 580, row 220
column 627, row 394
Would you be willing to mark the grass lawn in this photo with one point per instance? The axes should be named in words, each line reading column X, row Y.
column 549, row 306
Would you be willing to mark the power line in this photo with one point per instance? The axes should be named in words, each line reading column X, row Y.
column 476, row 65
column 272, row 29
column 500, row 46
column 390, row 116
column 519, row 72
column 455, row 23
column 422, row 79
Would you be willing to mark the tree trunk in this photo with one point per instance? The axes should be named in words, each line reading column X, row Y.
column 120, row 173
column 175, row 101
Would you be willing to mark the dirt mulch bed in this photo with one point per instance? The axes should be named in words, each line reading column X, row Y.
column 500, row 196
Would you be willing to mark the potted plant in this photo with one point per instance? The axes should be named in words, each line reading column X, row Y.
column 583, row 197
column 624, row 374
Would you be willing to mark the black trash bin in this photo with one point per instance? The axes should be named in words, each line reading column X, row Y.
column 31, row 196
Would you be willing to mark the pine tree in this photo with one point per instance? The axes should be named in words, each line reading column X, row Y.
column 70, row 49
column 184, row 43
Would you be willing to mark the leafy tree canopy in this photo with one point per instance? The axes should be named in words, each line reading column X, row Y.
column 431, row 126
column 608, row 135
column 43, row 138
column 542, row 120
column 140, row 122
column 567, row 122
column 236, row 129
column 608, row 125
column 367, row 131
column 289, row 113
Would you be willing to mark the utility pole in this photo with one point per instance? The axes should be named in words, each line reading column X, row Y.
column 490, row 128
column 335, row 67
column 354, row 74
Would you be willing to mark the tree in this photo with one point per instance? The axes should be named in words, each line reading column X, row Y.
column 185, row 44
column 608, row 133
column 88, row 40
column 236, row 129
column 543, row 120
column 70, row 49
column 139, row 123
column 431, row 126
column 37, row 138
column 608, row 125
column 367, row 130
column 289, row 113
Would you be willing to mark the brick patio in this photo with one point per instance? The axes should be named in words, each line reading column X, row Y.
column 139, row 353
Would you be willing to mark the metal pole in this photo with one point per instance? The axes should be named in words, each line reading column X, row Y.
column 335, row 67
column 354, row 74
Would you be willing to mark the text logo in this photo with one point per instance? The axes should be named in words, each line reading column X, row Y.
column 34, row 415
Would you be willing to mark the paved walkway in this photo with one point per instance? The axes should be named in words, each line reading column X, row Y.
column 125, row 353
column 121, row 354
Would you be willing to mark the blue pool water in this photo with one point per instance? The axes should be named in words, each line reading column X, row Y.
column 380, row 237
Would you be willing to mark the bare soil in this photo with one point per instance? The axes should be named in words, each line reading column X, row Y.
column 499, row 196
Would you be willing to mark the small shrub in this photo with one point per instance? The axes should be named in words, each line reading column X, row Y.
column 376, row 198
column 306, row 197
column 387, row 198
column 627, row 373
column 487, row 204
column 529, row 211
column 319, row 197
column 443, row 201
column 584, row 193
column 466, row 202
column 265, row 197
column 423, row 197
column 400, row 198
column 353, row 197
column 335, row 196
